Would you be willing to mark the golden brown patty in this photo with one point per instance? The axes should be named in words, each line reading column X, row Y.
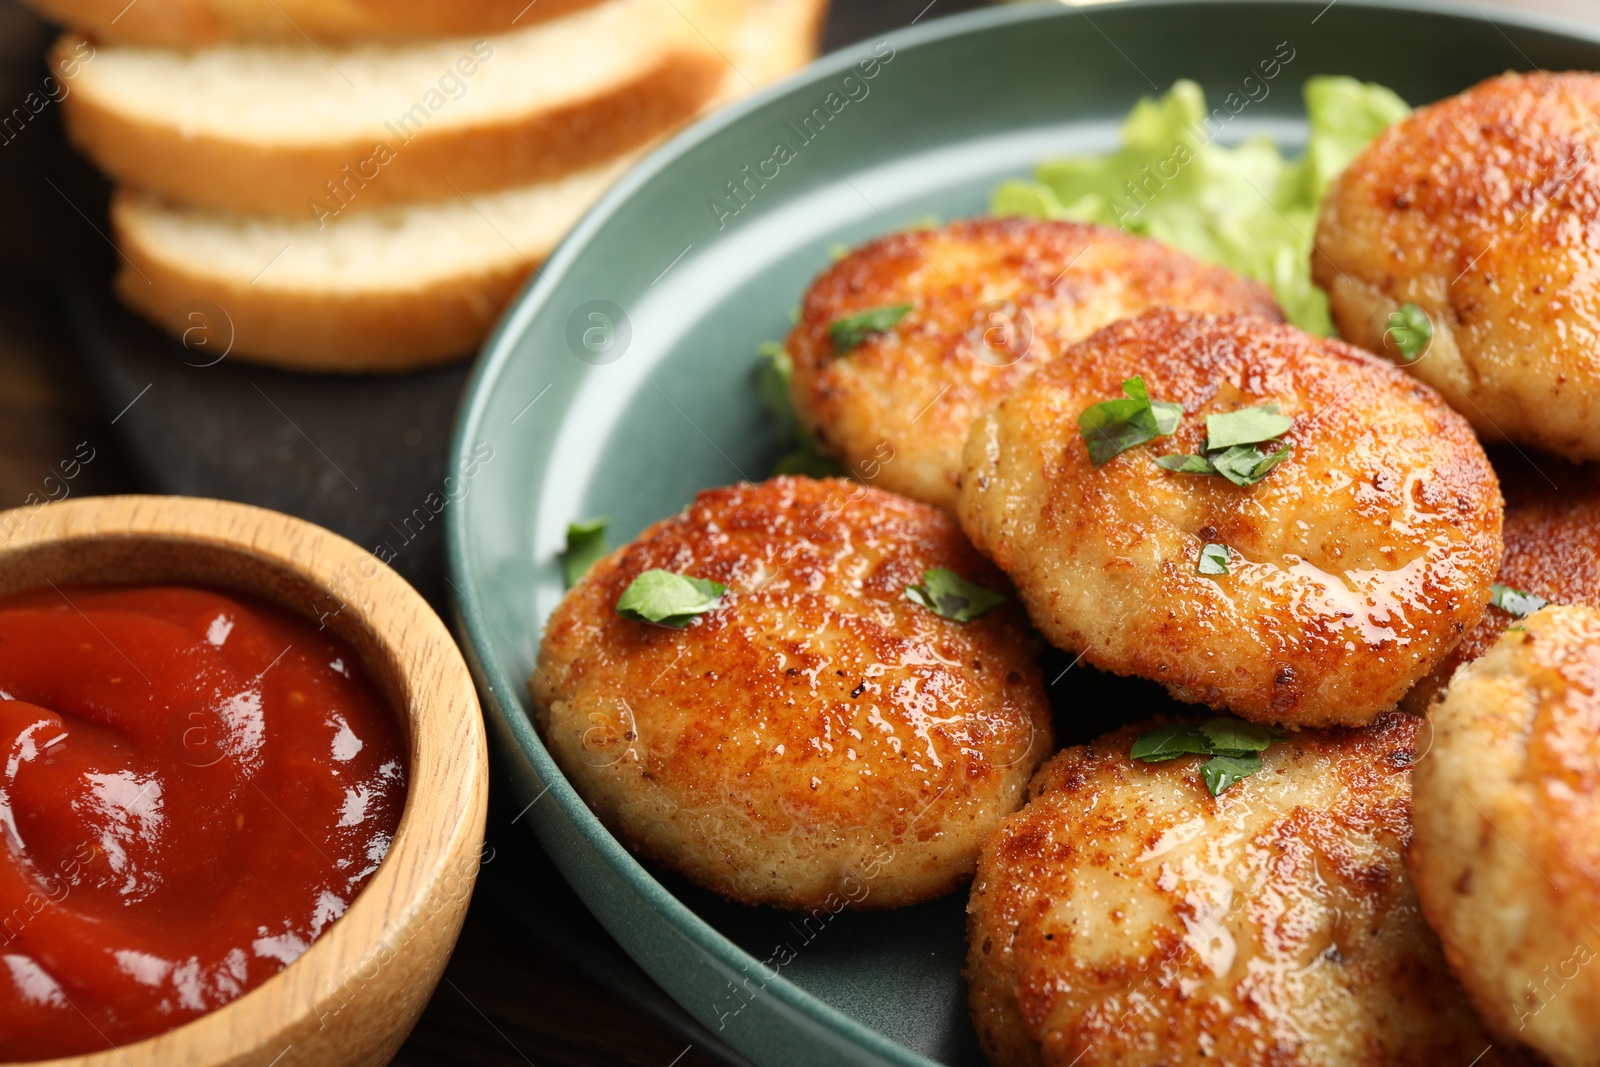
column 991, row 300
column 1354, row 566
column 818, row 739
column 1507, row 851
column 1484, row 211
column 1552, row 550
column 1126, row 917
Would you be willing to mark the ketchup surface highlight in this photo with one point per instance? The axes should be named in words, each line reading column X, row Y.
column 195, row 785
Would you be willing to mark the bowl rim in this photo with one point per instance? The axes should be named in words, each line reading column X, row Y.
column 502, row 695
column 437, row 844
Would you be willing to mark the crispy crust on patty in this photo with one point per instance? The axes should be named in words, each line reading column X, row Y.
column 1126, row 917
column 1355, row 565
column 1506, row 857
column 1484, row 211
column 993, row 299
column 818, row 737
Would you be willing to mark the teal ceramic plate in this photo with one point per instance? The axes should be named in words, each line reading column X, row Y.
column 623, row 381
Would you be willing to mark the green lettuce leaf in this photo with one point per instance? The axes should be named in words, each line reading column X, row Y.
column 1345, row 115
column 1244, row 206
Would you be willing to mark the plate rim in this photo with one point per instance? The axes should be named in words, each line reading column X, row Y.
column 499, row 694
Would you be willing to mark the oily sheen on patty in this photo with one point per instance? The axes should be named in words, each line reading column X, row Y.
column 818, row 734
column 1353, row 567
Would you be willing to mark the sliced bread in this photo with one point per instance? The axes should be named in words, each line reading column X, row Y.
column 390, row 290
column 382, row 291
column 198, row 23
column 298, row 131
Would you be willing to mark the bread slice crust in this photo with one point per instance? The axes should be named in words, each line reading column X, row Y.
column 200, row 23
column 413, row 287
column 388, row 164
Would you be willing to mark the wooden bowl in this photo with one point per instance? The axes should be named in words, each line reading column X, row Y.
column 356, row 992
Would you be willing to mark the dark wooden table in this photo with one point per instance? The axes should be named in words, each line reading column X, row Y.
column 534, row 981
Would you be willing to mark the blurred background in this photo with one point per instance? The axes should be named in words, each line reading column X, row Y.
column 539, row 986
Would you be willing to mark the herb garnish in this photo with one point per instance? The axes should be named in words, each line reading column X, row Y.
column 1515, row 601
column 586, row 544
column 1114, row 426
column 1220, row 772
column 1247, row 426
column 853, row 329
column 947, row 594
column 1233, row 745
column 1233, row 446
column 1246, row 464
column 773, row 379
column 1243, row 465
column 1213, row 560
column 1410, row 331
column 668, row 599
column 1184, row 463
column 1169, row 742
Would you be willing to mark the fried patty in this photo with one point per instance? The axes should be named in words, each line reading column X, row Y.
column 1353, row 567
column 1552, row 550
column 818, row 739
column 991, row 300
column 1483, row 210
column 1506, row 857
column 1125, row 916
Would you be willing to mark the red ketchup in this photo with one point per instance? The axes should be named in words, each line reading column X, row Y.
column 195, row 785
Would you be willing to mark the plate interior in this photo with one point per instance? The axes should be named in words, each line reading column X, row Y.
column 702, row 254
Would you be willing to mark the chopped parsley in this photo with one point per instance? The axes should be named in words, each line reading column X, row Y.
column 1410, row 331
column 1515, row 601
column 668, row 599
column 1247, row 426
column 1243, row 465
column 1184, row 463
column 1233, row 745
column 586, row 544
column 1222, row 771
column 1238, row 446
column 1213, row 560
column 1247, row 464
column 1112, row 427
column 950, row 596
column 1171, row 741
column 853, row 329
column 1227, row 734
column 773, row 378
